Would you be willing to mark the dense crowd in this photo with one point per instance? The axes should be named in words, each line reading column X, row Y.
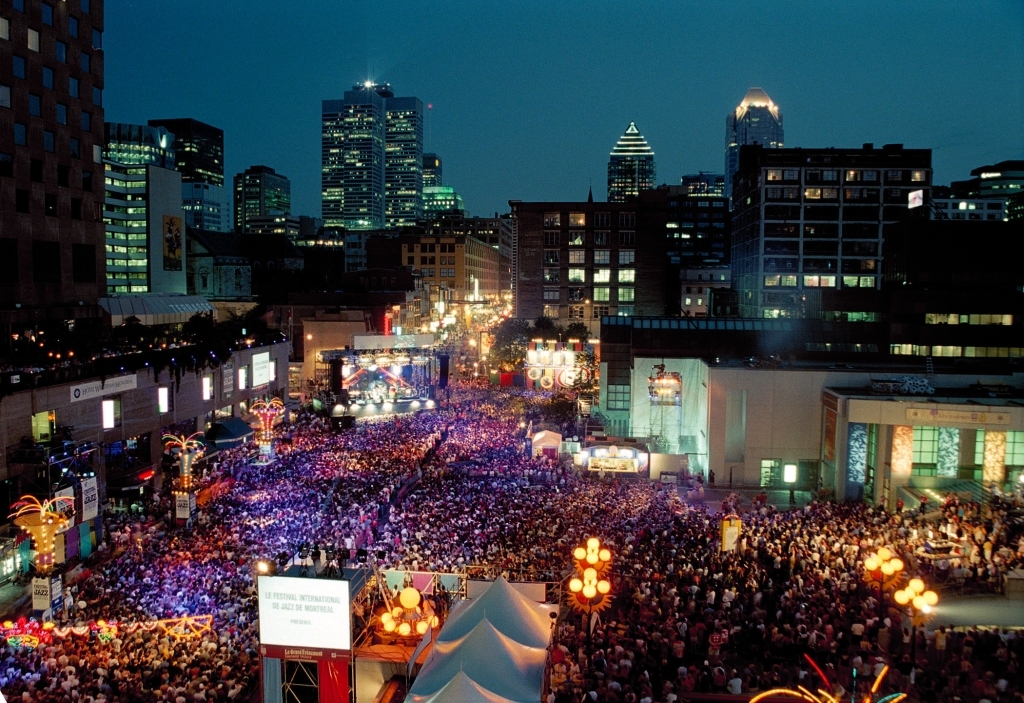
column 686, row 617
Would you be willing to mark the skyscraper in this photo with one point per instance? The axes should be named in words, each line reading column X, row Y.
column 756, row 120
column 432, row 171
column 199, row 158
column 372, row 159
column 260, row 190
column 353, row 159
column 403, row 168
column 631, row 166
column 142, row 212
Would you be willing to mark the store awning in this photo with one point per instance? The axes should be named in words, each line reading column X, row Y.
column 227, row 433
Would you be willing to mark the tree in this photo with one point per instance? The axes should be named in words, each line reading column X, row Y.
column 546, row 326
column 510, row 340
column 576, row 330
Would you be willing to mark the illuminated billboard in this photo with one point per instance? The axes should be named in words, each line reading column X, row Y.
column 307, row 614
column 260, row 369
column 915, row 199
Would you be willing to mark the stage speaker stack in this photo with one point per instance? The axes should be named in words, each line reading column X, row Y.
column 336, row 376
column 442, row 373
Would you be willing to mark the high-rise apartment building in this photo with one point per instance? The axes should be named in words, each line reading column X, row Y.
column 756, row 120
column 51, row 161
column 142, row 211
column 432, row 173
column 372, row 159
column 631, row 167
column 809, row 220
column 199, row 158
column 403, row 163
column 259, row 191
column 698, row 227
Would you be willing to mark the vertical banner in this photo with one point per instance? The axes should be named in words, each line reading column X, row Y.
column 856, row 460
column 67, row 509
column 56, row 594
column 731, row 525
column 90, row 499
column 40, row 594
column 173, row 240
column 98, row 528
column 829, row 443
column 273, row 686
column 59, row 549
column 71, row 544
column 993, row 469
column 334, row 680
column 947, row 456
column 85, row 540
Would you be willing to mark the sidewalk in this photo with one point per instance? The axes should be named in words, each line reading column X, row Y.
column 14, row 601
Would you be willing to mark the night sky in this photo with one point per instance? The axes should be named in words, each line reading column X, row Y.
column 529, row 97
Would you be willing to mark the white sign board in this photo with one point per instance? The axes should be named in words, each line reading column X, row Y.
column 98, row 389
column 915, row 198
column 392, row 341
column 184, row 505
column 260, row 369
column 311, row 613
column 66, row 509
column 90, row 499
column 40, row 593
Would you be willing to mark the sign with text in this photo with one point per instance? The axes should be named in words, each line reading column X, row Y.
column 90, row 499
column 260, row 369
column 98, row 389
column 306, row 614
column 974, row 417
column 40, row 593
column 184, row 505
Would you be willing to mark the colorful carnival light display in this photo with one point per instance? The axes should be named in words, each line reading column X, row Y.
column 44, row 521
column 825, row 695
column 552, row 364
column 29, row 633
column 267, row 412
column 188, row 450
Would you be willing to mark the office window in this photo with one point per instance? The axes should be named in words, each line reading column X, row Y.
column 627, row 219
column 577, row 219
column 551, row 276
column 48, row 141
column 73, row 26
column 20, row 134
column 86, row 121
column 602, row 294
column 552, row 219
column 73, row 87
column 576, row 312
column 688, row 301
column 83, row 261
column 18, row 66
column 575, row 295
column 551, row 239
column 84, row 4
column 551, row 311
column 627, row 239
column 600, row 311
column 163, row 399
column 87, row 181
column 47, row 77
column 551, row 294
column 83, row 62
column 627, row 275
column 626, row 295
column 602, row 219
column 624, row 310
column 61, row 51
column 74, row 148
column 774, row 175
column 602, row 256
column 918, row 176
column 6, row 164
column 35, row 170
column 602, row 275
column 207, row 387
column 550, row 256
column 601, row 238
column 788, row 281
column 243, row 378
column 577, row 275
column 48, row 14
column 627, row 256
column 33, row 40
column 771, row 281
column 812, row 193
column 46, row 262
column 5, row 29
column 50, row 204
column 35, row 105
column 575, row 239
column 97, row 39
column 926, row 445
column 97, row 96
column 577, row 256
column 22, row 201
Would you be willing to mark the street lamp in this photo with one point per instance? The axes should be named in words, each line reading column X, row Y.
column 921, row 603
column 589, row 591
column 883, row 567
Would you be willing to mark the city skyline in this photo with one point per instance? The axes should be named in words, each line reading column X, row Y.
column 562, row 95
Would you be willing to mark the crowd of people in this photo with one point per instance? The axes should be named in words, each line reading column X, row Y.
column 686, row 618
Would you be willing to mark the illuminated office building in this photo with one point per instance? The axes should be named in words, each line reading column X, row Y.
column 199, row 158
column 259, row 191
column 631, row 167
column 439, row 200
column 403, row 162
column 139, row 144
column 432, row 175
column 756, row 120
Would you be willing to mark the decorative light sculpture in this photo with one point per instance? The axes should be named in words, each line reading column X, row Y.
column 589, row 591
column 189, row 449
column 921, row 602
column 44, row 521
column 885, row 568
column 267, row 412
column 408, row 615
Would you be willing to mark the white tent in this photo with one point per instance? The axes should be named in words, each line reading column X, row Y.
column 462, row 689
column 545, row 439
column 510, row 612
column 490, row 659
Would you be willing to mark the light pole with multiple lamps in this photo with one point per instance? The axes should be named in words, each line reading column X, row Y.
column 589, row 590
column 921, row 602
column 883, row 567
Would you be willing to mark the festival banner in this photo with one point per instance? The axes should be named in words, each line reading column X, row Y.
column 172, row 243
column 40, row 594
column 90, row 499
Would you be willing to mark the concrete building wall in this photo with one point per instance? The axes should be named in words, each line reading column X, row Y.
column 166, row 274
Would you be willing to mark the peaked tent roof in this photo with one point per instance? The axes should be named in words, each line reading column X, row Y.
column 632, row 143
column 489, row 659
column 510, row 612
column 461, row 689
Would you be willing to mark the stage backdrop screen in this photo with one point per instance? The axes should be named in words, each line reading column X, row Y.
column 310, row 613
column 260, row 369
